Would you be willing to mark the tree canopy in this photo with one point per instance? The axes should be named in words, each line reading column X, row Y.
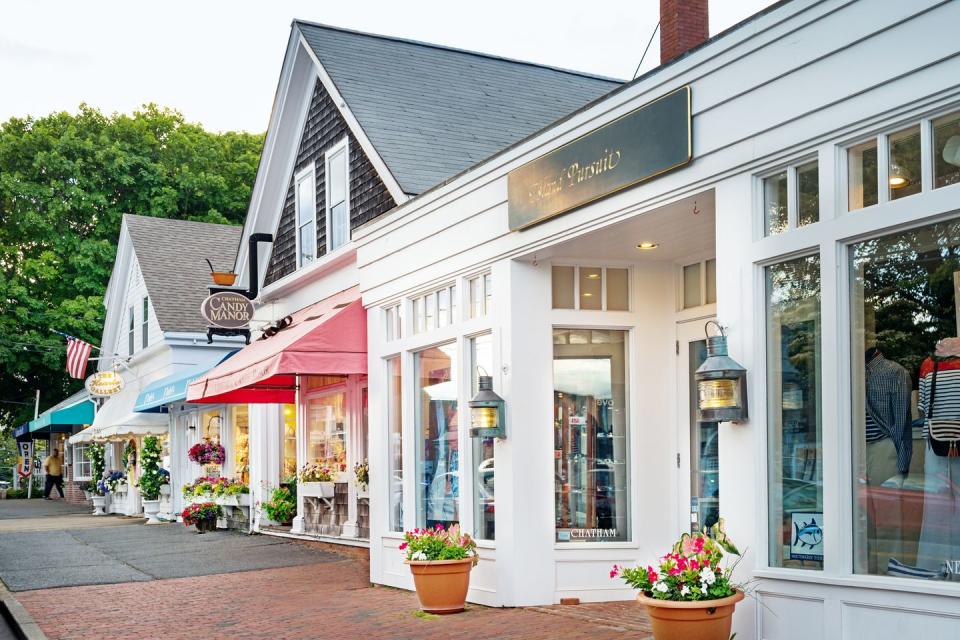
column 65, row 182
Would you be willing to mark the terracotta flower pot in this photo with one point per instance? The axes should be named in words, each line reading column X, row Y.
column 441, row 584
column 701, row 620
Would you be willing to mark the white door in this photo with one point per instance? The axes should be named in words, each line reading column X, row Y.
column 697, row 444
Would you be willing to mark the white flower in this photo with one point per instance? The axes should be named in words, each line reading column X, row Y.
column 685, row 590
column 419, row 555
column 661, row 587
column 707, row 576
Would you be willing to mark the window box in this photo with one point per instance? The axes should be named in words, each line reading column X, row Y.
column 316, row 489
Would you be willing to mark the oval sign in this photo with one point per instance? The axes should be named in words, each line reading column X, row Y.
column 227, row 310
column 103, row 384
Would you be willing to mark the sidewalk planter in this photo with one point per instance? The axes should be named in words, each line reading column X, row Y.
column 99, row 505
column 150, row 509
column 700, row 620
column 442, row 584
column 316, row 489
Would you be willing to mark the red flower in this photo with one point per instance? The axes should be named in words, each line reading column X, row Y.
column 403, row 546
column 615, row 571
column 651, row 574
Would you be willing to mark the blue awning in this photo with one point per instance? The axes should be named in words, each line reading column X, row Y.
column 22, row 432
column 173, row 388
column 63, row 418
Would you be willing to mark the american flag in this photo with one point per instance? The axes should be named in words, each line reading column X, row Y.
column 78, row 352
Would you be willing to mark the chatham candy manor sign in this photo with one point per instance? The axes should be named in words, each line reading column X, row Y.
column 227, row 310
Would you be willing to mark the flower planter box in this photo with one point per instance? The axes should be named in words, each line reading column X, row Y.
column 681, row 620
column 316, row 489
column 363, row 492
column 442, row 584
column 239, row 500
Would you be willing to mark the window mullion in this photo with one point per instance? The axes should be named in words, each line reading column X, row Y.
column 792, row 198
column 883, row 169
column 926, row 154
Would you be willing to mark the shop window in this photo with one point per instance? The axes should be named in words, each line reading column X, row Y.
column 775, row 204
column 484, row 517
column 131, row 323
column 903, row 166
column 393, row 318
column 289, row 443
column 794, row 456
column 81, row 464
column 337, row 196
column 145, row 323
column 591, row 475
column 210, row 425
column 808, row 193
column 480, row 292
column 306, row 208
column 699, row 284
column 862, row 176
column 905, row 395
column 946, row 151
column 590, row 288
column 326, row 433
column 435, row 309
column 438, row 447
column 241, row 442
column 395, row 441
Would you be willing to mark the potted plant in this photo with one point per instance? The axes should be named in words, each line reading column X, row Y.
column 117, row 481
column 98, row 487
column 164, row 483
column 440, row 560
column 203, row 515
column 150, row 478
column 689, row 596
column 316, row 480
column 361, row 471
column 89, row 490
column 207, row 453
column 281, row 507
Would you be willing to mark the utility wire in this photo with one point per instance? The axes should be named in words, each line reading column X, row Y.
column 649, row 42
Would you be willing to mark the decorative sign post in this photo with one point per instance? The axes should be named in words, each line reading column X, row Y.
column 640, row 145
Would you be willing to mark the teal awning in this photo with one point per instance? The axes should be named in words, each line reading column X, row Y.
column 63, row 417
column 173, row 388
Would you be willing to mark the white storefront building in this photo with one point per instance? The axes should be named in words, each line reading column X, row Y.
column 816, row 221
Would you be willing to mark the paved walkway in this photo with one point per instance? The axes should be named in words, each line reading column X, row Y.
column 165, row 581
column 50, row 515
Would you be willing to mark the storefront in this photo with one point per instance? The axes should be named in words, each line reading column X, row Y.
column 301, row 391
column 809, row 204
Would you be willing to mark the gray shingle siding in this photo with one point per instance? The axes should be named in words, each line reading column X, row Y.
column 171, row 255
column 432, row 112
column 325, row 127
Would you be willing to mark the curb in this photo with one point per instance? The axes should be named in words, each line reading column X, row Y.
column 23, row 623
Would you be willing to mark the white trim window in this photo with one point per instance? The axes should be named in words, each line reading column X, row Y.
column 305, row 205
column 81, row 463
column 131, row 324
column 145, row 324
column 480, row 290
column 698, row 283
column 791, row 197
column 337, row 187
column 435, row 309
column 393, row 317
column 586, row 288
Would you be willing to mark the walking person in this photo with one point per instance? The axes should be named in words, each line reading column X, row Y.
column 54, row 470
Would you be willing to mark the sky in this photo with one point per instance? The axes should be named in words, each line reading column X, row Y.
column 218, row 62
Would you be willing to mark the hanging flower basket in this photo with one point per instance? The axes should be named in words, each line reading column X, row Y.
column 206, row 453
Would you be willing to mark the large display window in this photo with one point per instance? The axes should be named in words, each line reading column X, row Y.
column 794, row 415
column 326, row 431
column 241, row 442
column 438, row 448
column 395, row 441
column 289, row 443
column 592, row 493
column 906, row 402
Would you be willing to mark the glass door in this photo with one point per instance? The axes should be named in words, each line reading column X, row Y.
column 698, row 451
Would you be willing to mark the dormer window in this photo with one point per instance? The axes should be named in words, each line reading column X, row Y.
column 338, row 195
column 306, row 207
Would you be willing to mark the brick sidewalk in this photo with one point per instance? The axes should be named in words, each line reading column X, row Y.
column 332, row 600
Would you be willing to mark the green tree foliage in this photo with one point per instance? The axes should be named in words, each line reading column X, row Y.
column 150, row 468
column 65, row 182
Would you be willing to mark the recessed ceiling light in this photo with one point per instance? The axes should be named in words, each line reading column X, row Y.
column 647, row 245
column 593, row 276
column 587, row 295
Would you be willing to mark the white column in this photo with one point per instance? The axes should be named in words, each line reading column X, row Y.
column 354, row 418
column 301, row 455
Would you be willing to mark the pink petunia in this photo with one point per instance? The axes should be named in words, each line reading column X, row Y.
column 403, row 546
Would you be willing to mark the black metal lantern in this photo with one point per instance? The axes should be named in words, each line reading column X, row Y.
column 721, row 383
column 486, row 412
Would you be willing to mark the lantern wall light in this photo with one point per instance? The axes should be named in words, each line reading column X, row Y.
column 487, row 416
column 721, row 382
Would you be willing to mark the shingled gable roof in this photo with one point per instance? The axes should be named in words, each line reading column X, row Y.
column 171, row 256
column 432, row 111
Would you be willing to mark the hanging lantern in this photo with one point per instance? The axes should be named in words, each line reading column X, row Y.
column 721, row 383
column 486, row 412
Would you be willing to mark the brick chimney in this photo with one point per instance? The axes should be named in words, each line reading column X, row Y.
column 683, row 25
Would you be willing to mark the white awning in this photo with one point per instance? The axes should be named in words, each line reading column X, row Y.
column 116, row 420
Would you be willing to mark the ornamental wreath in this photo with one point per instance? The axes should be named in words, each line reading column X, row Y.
column 207, row 453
